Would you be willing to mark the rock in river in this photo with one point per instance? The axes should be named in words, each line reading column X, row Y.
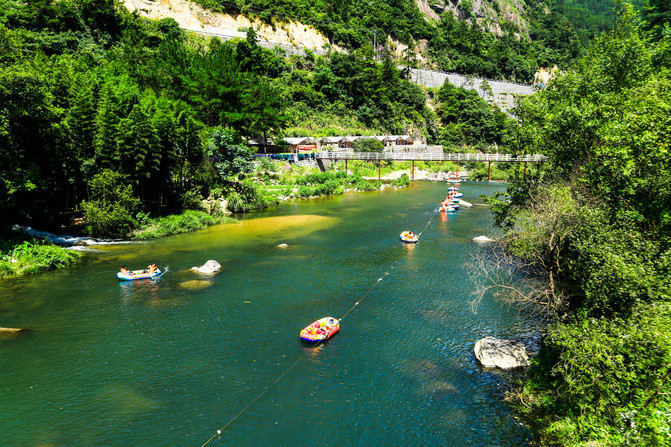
column 208, row 268
column 505, row 354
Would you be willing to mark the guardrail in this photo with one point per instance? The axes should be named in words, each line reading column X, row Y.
column 429, row 156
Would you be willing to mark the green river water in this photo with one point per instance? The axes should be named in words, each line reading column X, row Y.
column 169, row 362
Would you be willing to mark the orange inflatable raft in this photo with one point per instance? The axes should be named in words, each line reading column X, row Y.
column 409, row 237
column 320, row 330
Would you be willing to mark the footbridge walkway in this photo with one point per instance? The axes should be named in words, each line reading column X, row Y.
column 333, row 156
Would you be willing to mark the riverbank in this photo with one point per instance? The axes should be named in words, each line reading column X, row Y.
column 25, row 251
column 21, row 255
column 30, row 251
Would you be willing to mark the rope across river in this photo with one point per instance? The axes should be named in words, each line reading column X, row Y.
column 218, row 432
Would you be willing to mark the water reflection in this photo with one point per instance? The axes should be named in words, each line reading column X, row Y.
column 140, row 288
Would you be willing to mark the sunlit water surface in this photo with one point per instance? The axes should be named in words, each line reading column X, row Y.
column 170, row 362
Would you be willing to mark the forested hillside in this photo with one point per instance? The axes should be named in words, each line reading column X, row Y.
column 490, row 38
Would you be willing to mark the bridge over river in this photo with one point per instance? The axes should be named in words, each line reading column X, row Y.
column 427, row 156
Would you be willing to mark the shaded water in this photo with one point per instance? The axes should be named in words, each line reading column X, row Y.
column 169, row 362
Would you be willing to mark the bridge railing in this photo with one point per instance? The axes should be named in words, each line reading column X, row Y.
column 429, row 156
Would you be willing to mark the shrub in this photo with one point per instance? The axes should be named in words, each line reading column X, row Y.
column 481, row 172
column 368, row 145
column 236, row 203
column 331, row 187
column 403, row 180
column 365, row 185
column 107, row 220
column 31, row 257
column 306, row 191
column 190, row 220
column 247, row 196
column 607, row 380
column 266, row 164
column 191, row 200
column 111, row 210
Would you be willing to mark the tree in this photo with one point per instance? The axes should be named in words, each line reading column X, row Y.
column 112, row 207
column 364, row 144
column 265, row 109
column 534, row 251
column 229, row 154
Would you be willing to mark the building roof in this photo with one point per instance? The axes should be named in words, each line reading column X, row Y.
column 331, row 139
column 298, row 140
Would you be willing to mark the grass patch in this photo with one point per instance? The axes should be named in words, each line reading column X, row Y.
column 28, row 257
column 186, row 222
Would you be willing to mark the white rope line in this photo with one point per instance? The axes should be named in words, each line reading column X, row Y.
column 218, row 432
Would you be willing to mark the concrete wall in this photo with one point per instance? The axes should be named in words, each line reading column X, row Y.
column 504, row 92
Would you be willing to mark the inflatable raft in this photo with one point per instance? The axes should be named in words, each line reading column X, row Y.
column 320, row 330
column 138, row 274
column 409, row 237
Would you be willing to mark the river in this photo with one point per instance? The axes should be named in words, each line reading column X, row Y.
column 169, row 362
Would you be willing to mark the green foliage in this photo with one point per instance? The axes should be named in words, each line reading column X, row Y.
column 469, row 121
column 617, row 264
column 403, row 180
column 189, row 220
column 112, row 206
column 365, row 185
column 267, row 164
column 191, row 200
column 608, row 382
column 30, row 257
column 600, row 227
column 244, row 196
column 368, row 145
column 231, row 155
column 481, row 172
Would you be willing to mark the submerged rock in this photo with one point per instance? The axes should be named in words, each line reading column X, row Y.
column 195, row 285
column 282, row 246
column 208, row 268
column 10, row 330
column 482, row 239
column 505, row 354
column 438, row 387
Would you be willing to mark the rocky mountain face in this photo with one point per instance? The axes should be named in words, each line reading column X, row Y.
column 489, row 15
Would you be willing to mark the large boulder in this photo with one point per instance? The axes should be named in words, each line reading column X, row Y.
column 505, row 354
column 208, row 268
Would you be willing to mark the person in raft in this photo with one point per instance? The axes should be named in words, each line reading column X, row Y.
column 151, row 268
column 326, row 327
column 125, row 271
